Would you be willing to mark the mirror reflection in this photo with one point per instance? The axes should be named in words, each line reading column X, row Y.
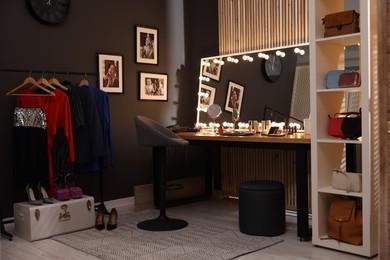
column 275, row 78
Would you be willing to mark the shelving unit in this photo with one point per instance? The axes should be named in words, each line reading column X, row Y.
column 327, row 152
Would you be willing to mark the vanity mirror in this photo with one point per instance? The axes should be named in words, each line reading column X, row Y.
column 214, row 111
column 268, row 76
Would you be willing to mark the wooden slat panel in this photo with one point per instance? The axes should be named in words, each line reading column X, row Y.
column 240, row 164
column 246, row 25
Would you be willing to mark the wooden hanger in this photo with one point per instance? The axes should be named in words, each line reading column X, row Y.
column 54, row 81
column 43, row 82
column 84, row 81
column 27, row 81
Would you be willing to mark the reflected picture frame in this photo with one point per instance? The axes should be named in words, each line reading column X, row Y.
column 110, row 68
column 206, row 96
column 214, row 70
column 146, row 45
column 235, row 91
column 153, row 86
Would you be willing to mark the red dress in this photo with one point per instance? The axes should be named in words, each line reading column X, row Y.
column 57, row 110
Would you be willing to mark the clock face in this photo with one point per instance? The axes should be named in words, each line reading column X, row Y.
column 273, row 67
column 48, row 11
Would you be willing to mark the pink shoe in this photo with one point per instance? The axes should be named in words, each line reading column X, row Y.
column 75, row 191
column 61, row 192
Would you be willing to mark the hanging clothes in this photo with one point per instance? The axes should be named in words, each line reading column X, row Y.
column 103, row 108
column 103, row 105
column 30, row 147
column 88, row 135
column 61, row 166
column 57, row 110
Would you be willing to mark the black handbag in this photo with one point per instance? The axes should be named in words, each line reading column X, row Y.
column 351, row 127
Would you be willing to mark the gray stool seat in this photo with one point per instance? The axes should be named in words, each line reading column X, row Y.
column 262, row 208
column 152, row 133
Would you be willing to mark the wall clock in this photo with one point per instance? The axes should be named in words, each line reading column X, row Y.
column 272, row 67
column 48, row 11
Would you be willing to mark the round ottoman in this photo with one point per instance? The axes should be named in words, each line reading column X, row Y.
column 262, row 208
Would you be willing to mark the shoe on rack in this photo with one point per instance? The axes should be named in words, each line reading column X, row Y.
column 31, row 196
column 75, row 191
column 99, row 222
column 45, row 198
column 112, row 220
column 61, row 192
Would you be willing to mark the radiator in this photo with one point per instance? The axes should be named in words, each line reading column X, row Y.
column 240, row 164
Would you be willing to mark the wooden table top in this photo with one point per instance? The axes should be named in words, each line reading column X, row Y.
column 296, row 138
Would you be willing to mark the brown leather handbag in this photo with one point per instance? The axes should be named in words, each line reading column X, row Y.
column 345, row 221
column 341, row 23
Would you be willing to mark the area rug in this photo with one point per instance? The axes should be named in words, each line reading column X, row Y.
column 198, row 240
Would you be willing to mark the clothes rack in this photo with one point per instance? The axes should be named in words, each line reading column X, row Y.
column 50, row 72
column 4, row 233
column 102, row 205
column 55, row 72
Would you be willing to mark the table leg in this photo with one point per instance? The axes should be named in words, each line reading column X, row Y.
column 304, row 231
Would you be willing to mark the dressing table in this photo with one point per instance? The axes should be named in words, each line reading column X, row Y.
column 299, row 143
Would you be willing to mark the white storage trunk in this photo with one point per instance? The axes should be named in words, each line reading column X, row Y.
column 39, row 222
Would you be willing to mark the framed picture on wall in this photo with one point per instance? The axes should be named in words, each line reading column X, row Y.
column 146, row 45
column 153, row 86
column 234, row 97
column 110, row 69
column 206, row 96
column 213, row 70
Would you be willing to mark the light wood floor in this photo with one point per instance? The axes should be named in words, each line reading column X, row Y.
column 214, row 210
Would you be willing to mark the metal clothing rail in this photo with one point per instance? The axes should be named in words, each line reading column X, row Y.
column 54, row 72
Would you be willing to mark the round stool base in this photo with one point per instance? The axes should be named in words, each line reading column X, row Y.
column 162, row 223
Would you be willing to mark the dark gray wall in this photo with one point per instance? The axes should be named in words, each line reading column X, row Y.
column 108, row 27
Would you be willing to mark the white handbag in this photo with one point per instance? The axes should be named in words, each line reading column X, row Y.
column 348, row 181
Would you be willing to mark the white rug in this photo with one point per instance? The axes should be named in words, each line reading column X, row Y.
column 197, row 241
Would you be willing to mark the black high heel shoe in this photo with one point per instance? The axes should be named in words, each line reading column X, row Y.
column 44, row 196
column 99, row 222
column 113, row 220
column 31, row 196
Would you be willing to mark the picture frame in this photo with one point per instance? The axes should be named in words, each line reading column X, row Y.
column 146, row 45
column 110, row 67
column 153, row 86
column 206, row 101
column 235, row 92
column 213, row 71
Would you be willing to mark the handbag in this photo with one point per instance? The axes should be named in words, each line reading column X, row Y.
column 351, row 127
column 345, row 221
column 338, row 128
column 348, row 181
column 349, row 80
column 341, row 23
column 333, row 76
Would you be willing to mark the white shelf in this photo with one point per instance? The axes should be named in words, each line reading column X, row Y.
column 338, row 90
column 334, row 140
column 331, row 190
column 327, row 152
column 343, row 40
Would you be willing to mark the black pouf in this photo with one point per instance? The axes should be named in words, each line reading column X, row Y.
column 262, row 208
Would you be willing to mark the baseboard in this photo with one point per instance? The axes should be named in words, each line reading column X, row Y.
column 192, row 187
column 122, row 202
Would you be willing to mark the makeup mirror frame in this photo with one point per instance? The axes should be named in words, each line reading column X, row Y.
column 239, row 56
